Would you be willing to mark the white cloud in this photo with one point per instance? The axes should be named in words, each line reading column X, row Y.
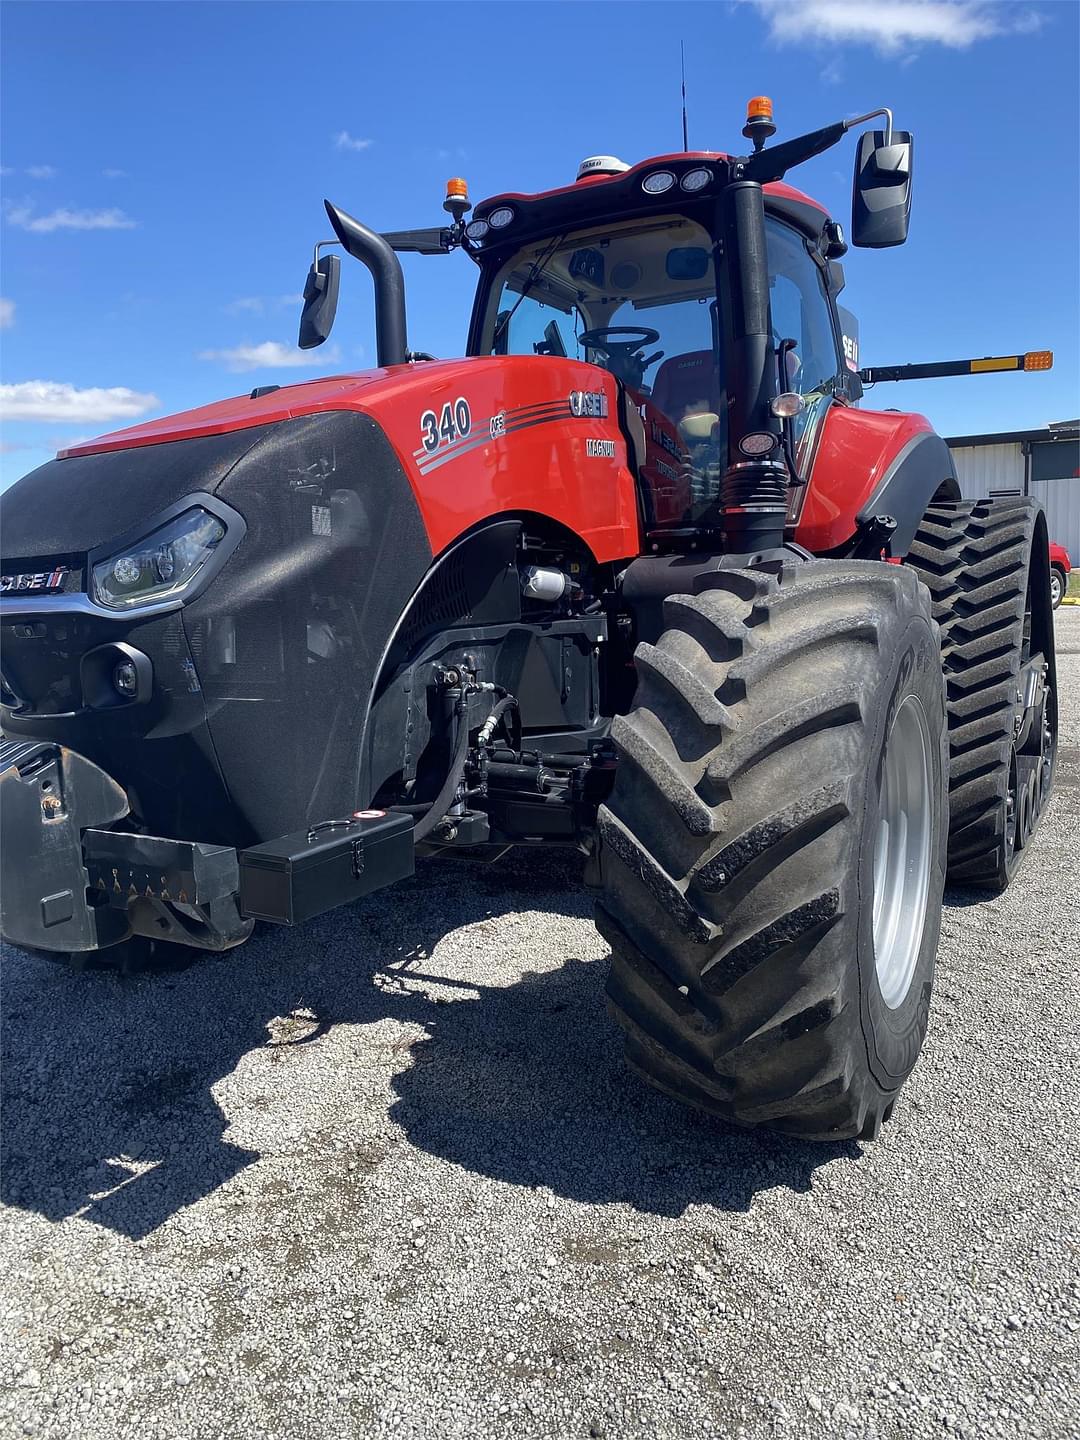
column 7, row 313
column 23, row 218
column 115, row 174
column 40, row 172
column 344, row 141
column 9, row 447
column 257, row 305
column 54, row 400
column 69, row 442
column 246, row 305
column 832, row 73
column 891, row 26
column 269, row 355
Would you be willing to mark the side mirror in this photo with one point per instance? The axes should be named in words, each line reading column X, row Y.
column 320, row 301
column 881, row 194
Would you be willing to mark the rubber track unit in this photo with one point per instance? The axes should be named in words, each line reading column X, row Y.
column 974, row 558
column 729, row 848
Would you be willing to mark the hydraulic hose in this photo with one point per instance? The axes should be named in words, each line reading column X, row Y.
column 490, row 725
column 445, row 797
column 431, row 815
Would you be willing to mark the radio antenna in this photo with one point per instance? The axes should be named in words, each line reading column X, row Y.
column 682, row 66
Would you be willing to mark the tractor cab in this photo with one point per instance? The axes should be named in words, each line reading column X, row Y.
column 702, row 282
column 625, row 270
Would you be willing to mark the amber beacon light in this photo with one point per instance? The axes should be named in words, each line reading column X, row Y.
column 457, row 197
column 759, row 125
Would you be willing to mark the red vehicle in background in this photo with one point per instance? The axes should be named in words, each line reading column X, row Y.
column 1060, row 565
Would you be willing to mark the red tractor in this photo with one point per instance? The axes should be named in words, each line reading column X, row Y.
column 614, row 580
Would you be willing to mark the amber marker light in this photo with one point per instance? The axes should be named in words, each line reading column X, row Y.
column 759, row 108
column 1039, row 360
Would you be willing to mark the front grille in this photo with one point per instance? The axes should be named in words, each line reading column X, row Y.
column 19, row 575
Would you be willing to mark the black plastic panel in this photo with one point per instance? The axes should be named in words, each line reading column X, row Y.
column 254, row 723
column 286, row 640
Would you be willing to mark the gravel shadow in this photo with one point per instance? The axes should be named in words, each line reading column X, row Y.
column 115, row 1118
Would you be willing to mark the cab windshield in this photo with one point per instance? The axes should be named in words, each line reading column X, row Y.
column 637, row 299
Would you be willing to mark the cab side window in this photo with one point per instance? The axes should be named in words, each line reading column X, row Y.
column 528, row 326
column 800, row 311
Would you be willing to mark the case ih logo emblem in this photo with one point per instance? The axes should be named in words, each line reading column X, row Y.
column 592, row 403
column 41, row 580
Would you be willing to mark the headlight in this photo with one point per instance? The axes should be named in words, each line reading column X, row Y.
column 160, row 566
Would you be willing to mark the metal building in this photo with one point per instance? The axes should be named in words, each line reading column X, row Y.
column 1044, row 463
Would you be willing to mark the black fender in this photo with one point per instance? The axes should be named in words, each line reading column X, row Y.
column 922, row 473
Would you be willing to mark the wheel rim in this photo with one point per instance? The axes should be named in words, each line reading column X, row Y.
column 902, row 852
column 1056, row 588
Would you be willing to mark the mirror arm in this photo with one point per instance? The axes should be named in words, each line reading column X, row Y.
column 774, row 162
column 437, row 241
column 872, row 115
column 322, row 245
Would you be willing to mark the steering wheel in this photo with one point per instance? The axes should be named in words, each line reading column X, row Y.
column 598, row 339
column 625, row 361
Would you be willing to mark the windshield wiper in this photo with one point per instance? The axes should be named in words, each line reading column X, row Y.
column 539, row 265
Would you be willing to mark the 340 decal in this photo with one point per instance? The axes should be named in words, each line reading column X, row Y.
column 453, row 423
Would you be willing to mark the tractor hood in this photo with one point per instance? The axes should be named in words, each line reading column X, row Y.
column 96, row 491
column 263, row 406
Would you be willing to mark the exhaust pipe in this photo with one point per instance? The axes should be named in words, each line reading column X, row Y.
column 374, row 252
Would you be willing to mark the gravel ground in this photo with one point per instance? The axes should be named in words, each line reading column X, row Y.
column 386, row 1176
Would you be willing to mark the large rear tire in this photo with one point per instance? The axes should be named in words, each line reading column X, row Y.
column 772, row 853
column 986, row 564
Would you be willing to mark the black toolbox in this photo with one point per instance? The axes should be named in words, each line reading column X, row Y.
column 291, row 879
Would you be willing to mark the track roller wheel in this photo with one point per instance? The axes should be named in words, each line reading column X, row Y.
column 986, row 564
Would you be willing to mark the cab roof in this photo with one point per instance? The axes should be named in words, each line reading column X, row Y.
column 598, row 197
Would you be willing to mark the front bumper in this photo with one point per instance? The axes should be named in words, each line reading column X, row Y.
column 72, row 882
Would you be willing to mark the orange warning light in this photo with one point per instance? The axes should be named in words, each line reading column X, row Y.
column 1039, row 360
column 759, row 108
column 457, row 200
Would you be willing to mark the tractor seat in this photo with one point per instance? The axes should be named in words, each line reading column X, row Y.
column 685, row 380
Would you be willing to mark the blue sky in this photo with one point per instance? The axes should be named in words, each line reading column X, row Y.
column 165, row 166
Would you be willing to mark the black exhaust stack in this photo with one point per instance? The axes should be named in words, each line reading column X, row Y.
column 753, row 492
column 374, row 252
